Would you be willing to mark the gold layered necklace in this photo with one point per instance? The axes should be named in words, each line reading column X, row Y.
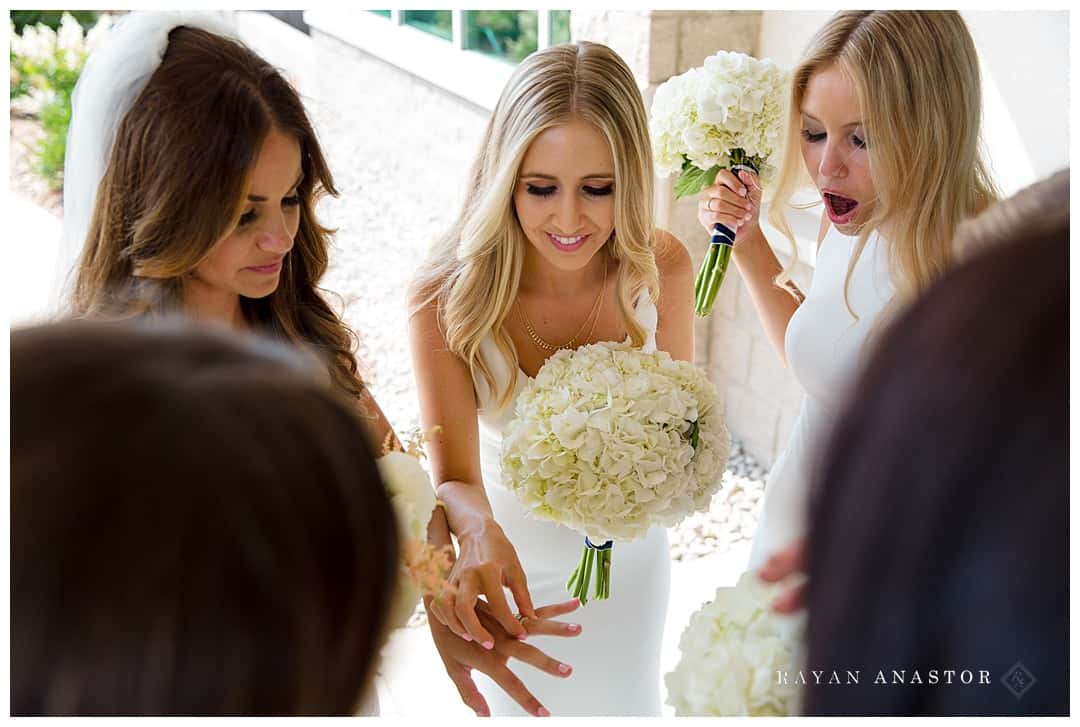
column 590, row 322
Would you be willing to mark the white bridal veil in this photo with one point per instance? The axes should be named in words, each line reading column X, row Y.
column 112, row 79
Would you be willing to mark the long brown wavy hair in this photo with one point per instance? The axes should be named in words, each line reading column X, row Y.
column 175, row 185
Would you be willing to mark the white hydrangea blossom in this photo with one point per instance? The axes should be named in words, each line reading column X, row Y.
column 413, row 499
column 601, row 441
column 733, row 101
column 732, row 651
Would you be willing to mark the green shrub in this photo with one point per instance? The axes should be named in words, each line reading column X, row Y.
column 52, row 18
column 45, row 64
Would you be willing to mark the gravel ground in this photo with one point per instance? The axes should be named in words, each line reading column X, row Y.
column 24, row 135
column 399, row 150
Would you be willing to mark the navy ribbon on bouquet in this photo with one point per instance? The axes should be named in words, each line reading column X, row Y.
column 722, row 235
column 590, row 544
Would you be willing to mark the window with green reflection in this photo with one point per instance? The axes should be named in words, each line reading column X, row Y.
column 560, row 26
column 509, row 35
column 436, row 22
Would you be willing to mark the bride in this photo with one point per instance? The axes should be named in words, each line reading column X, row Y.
column 555, row 247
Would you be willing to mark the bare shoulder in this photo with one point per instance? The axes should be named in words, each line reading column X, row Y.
column 672, row 257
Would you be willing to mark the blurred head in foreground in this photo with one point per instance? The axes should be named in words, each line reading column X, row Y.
column 198, row 527
column 940, row 532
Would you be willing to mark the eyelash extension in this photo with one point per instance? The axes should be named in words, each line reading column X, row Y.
column 539, row 191
column 598, row 191
column 248, row 217
column 812, row 138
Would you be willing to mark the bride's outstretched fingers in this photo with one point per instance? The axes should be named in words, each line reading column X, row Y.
column 470, row 695
column 460, row 657
column 545, row 625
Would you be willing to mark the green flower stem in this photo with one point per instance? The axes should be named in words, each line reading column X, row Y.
column 703, row 275
column 582, row 577
column 716, row 275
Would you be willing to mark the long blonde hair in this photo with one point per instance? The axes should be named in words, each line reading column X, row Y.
column 916, row 77
column 473, row 271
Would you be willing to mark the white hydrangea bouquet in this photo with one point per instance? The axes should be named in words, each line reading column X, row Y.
column 609, row 441
column 424, row 567
column 733, row 651
column 729, row 113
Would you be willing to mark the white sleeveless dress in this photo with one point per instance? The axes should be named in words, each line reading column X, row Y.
column 824, row 344
column 616, row 658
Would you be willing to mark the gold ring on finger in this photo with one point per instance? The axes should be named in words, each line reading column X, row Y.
column 708, row 206
column 521, row 618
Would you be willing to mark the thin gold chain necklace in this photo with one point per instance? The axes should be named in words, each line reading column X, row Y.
column 594, row 316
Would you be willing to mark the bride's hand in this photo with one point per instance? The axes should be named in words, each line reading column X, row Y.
column 485, row 564
column 733, row 201
column 783, row 563
column 461, row 657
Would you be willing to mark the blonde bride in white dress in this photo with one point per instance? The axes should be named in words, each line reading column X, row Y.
column 896, row 174
column 555, row 247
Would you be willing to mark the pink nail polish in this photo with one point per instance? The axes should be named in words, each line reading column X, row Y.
column 489, row 644
column 542, row 713
column 564, row 668
column 573, row 627
column 466, row 637
column 522, row 637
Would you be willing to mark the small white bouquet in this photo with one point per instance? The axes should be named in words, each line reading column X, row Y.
column 610, row 441
column 729, row 113
column 734, row 652
column 424, row 567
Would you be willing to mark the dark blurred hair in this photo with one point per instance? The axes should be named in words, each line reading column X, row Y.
column 175, row 185
column 939, row 536
column 198, row 527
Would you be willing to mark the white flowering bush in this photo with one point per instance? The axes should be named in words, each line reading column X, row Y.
column 609, row 441
column 729, row 111
column 732, row 652
column 45, row 66
column 413, row 499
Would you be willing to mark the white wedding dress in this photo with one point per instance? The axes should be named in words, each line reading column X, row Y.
column 824, row 345
column 616, row 658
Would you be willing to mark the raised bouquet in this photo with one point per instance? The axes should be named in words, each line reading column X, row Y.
column 735, row 651
column 727, row 114
column 610, row 441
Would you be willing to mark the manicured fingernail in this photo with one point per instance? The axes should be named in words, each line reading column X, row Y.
column 466, row 637
column 522, row 637
column 573, row 627
column 564, row 668
column 542, row 713
column 489, row 644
